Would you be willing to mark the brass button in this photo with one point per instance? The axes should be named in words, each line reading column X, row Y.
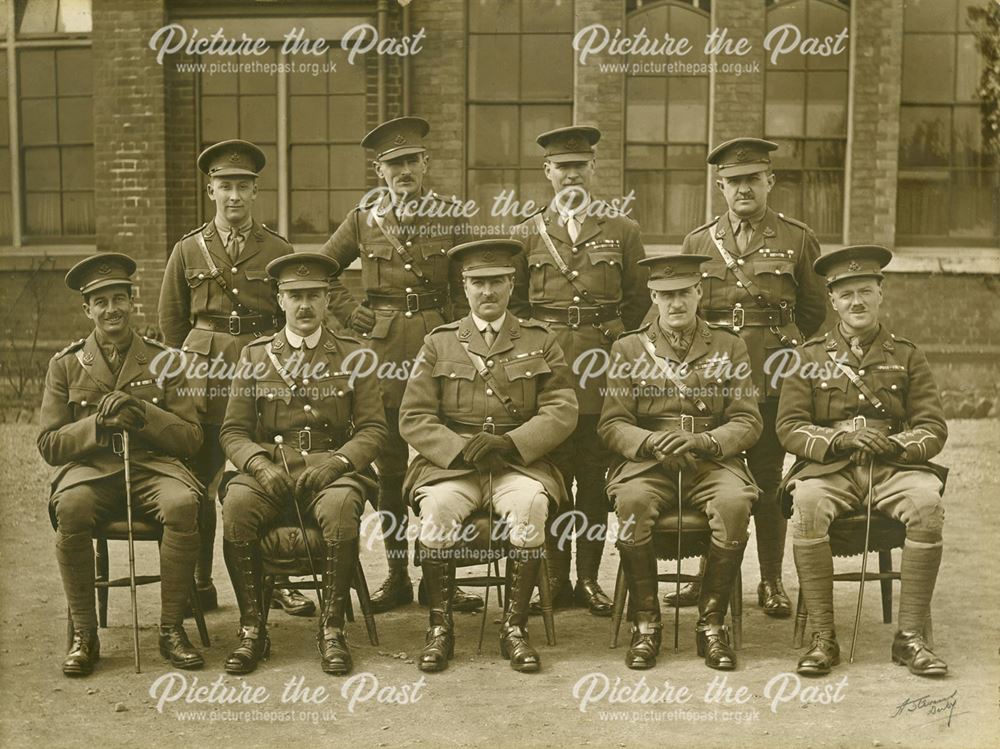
column 235, row 269
column 305, row 453
column 527, row 373
column 409, row 289
column 340, row 393
column 861, row 372
column 83, row 403
column 704, row 274
column 307, row 408
column 576, row 299
column 741, row 261
column 305, row 380
column 155, row 399
column 236, row 291
column 408, row 314
column 489, row 362
column 893, row 387
column 407, row 266
column 740, row 284
column 371, row 255
column 861, row 397
column 452, row 375
column 201, row 276
column 489, row 391
column 270, row 396
column 823, row 385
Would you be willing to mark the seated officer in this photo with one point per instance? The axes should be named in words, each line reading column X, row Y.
column 300, row 429
column 863, row 403
column 680, row 399
column 110, row 382
column 491, row 399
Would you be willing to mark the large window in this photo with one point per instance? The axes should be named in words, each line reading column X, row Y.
column 49, row 158
column 948, row 183
column 520, row 84
column 805, row 113
column 321, row 121
column 666, row 124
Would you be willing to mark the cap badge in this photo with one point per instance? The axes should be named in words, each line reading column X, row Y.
column 854, row 266
column 741, row 154
column 302, row 270
column 488, row 256
column 399, row 140
column 573, row 144
column 104, row 269
column 668, row 271
column 234, row 156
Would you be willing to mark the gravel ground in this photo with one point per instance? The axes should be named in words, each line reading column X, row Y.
column 479, row 699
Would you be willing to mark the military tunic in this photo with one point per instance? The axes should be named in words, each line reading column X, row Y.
column 319, row 409
column 641, row 400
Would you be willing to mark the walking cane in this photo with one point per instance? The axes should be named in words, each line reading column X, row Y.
column 677, row 577
column 489, row 556
column 864, row 557
column 121, row 447
column 279, row 441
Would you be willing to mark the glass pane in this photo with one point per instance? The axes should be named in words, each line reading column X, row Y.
column 348, row 79
column 692, row 157
column 74, row 16
column 826, row 110
column 341, row 203
column 75, row 71
column 924, row 136
column 310, row 212
column 265, row 209
column 302, row 81
column 784, row 110
column 645, row 109
column 823, row 202
column 687, row 115
column 37, row 72
column 970, row 68
column 268, row 179
column 825, row 153
column 484, row 186
column 218, row 83
column 39, row 17
column 928, row 67
column 929, row 15
column 42, row 213
column 78, row 168
column 532, row 186
column 653, row 20
column 4, row 170
column 968, row 135
column 687, row 23
column 6, row 217
column 648, row 208
column 787, row 193
column 972, row 212
column 789, row 154
column 346, row 120
column 78, row 213
column 493, row 16
column 493, row 132
column 551, row 15
column 309, row 167
column 494, row 69
column 685, row 201
column 307, row 119
column 258, row 119
column 38, row 121
column 827, row 20
column 643, row 157
column 258, row 82
column 791, row 13
column 547, row 60
column 219, row 120
column 76, row 119
column 41, row 168
column 536, row 119
column 347, row 167
column 922, row 204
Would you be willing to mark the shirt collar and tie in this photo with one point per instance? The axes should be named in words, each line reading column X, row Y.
column 233, row 238
column 573, row 219
column 859, row 345
column 489, row 330
column 744, row 228
column 310, row 342
column 113, row 355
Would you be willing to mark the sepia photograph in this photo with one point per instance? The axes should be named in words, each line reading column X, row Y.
column 531, row 373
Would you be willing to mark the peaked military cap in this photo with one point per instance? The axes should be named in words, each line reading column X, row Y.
column 100, row 270
column 856, row 261
column 565, row 144
column 232, row 158
column 399, row 137
column 303, row 270
column 673, row 272
column 741, row 156
column 486, row 257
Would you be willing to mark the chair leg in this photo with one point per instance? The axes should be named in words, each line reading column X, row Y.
column 266, row 594
column 102, row 564
column 500, row 584
column 800, row 621
column 618, row 606
column 545, row 598
column 199, row 615
column 349, row 610
column 736, row 608
column 365, row 602
column 884, row 566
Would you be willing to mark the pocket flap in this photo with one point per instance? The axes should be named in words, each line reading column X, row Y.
column 380, row 250
column 257, row 275
column 198, row 342
column 195, row 277
column 523, row 369
column 778, row 267
column 611, row 258
column 84, row 396
column 454, row 370
column 274, row 390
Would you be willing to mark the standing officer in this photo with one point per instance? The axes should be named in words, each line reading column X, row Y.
column 680, row 399
column 113, row 381
column 580, row 274
column 492, row 398
column 402, row 233
column 294, row 386
column 759, row 283
column 216, row 298
column 862, row 403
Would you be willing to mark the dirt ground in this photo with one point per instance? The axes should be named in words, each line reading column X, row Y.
column 584, row 695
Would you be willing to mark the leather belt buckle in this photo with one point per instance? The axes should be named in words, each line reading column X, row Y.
column 488, row 426
column 235, row 325
column 305, row 439
column 412, row 302
column 118, row 443
column 572, row 311
column 687, row 423
column 860, row 422
column 739, row 318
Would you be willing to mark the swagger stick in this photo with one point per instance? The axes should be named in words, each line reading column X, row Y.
column 489, row 555
column 864, row 556
column 279, row 441
column 127, row 460
column 677, row 577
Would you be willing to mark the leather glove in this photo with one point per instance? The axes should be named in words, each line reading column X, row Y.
column 864, row 443
column 491, row 463
column 482, row 444
column 130, row 417
column 272, row 479
column 362, row 319
column 316, row 478
column 111, row 402
column 673, row 463
column 676, row 442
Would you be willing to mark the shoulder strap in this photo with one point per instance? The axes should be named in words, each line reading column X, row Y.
column 749, row 285
column 857, row 382
column 408, row 262
column 493, row 383
column 671, row 375
column 216, row 275
column 571, row 275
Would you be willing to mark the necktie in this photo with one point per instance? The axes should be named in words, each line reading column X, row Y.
column 743, row 232
column 572, row 227
column 489, row 335
column 233, row 247
column 856, row 348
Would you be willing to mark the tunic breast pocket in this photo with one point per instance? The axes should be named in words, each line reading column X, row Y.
column 891, row 387
column 258, row 293
column 433, row 258
column 606, row 273
column 457, row 386
column 715, row 294
column 150, row 392
column 335, row 397
column 376, row 262
column 83, row 401
column 777, row 276
column 523, row 376
column 830, row 399
column 542, row 275
column 708, row 389
column 198, row 281
column 272, row 396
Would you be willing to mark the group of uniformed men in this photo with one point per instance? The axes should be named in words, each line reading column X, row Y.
column 686, row 410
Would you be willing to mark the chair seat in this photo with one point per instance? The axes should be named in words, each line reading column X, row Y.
column 847, row 534
column 117, row 530
column 696, row 535
column 283, row 550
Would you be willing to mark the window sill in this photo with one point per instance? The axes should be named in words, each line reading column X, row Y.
column 52, row 257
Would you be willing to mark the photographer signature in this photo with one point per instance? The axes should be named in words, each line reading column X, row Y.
column 942, row 707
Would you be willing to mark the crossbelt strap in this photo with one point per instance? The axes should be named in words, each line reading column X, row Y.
column 493, row 383
column 216, row 275
column 408, row 262
column 749, row 285
column 671, row 375
column 857, row 382
column 571, row 276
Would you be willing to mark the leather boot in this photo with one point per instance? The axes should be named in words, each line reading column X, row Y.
column 177, row 648
column 290, row 599
column 639, row 563
column 396, row 590
column 771, row 595
column 468, row 603
column 690, row 592
column 910, row 649
column 244, row 565
column 559, row 561
column 823, row 654
column 178, row 551
column 716, row 589
column 439, row 643
column 588, row 592
column 514, row 645
column 84, row 652
column 341, row 558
